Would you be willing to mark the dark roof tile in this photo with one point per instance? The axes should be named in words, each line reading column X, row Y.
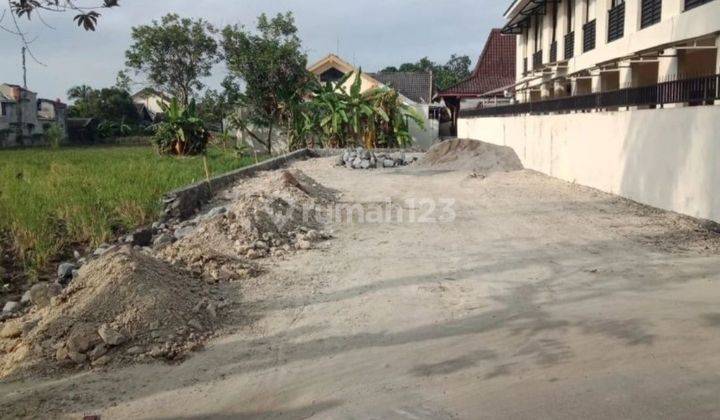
column 416, row 86
column 495, row 68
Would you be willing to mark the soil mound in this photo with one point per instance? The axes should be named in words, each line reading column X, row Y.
column 470, row 155
column 124, row 306
column 270, row 217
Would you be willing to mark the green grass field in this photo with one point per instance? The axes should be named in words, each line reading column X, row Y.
column 54, row 200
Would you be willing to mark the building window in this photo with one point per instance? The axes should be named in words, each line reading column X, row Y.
column 616, row 20
column 589, row 36
column 3, row 109
column 331, row 75
column 650, row 12
column 691, row 4
column 570, row 16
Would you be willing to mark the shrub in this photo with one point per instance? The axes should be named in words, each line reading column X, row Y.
column 54, row 135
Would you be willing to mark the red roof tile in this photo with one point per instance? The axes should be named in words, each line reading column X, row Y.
column 495, row 68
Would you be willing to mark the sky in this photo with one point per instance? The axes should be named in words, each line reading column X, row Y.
column 372, row 34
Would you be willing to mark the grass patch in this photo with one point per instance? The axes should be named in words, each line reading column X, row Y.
column 51, row 200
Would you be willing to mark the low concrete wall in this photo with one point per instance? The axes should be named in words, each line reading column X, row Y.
column 666, row 158
column 184, row 202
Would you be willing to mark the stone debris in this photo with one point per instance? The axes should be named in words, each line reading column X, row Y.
column 140, row 237
column 41, row 294
column 11, row 307
column 366, row 159
column 11, row 329
column 225, row 243
column 151, row 295
column 110, row 336
column 65, row 272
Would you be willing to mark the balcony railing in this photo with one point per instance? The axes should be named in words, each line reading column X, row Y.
column 695, row 91
column 650, row 12
column 569, row 45
column 616, row 22
column 589, row 36
column 537, row 60
column 691, row 4
column 553, row 52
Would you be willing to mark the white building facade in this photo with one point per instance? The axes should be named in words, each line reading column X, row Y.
column 576, row 47
column 622, row 96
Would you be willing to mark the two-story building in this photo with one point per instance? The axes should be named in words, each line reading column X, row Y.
column 24, row 117
column 576, row 47
column 18, row 117
column 619, row 95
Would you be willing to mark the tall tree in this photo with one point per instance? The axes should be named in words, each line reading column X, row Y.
column 174, row 54
column 123, row 81
column 110, row 104
column 216, row 105
column 273, row 68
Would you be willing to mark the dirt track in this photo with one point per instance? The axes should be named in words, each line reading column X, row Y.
column 541, row 299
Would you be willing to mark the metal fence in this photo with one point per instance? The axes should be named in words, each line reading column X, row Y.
column 695, row 91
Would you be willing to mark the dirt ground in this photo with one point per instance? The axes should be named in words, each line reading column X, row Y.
column 539, row 299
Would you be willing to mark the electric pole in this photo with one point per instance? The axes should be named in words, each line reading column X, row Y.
column 24, row 68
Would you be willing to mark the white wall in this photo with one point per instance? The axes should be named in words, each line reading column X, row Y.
column 424, row 137
column 666, row 158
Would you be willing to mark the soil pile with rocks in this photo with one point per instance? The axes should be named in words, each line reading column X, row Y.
column 470, row 155
column 123, row 306
column 267, row 218
column 152, row 294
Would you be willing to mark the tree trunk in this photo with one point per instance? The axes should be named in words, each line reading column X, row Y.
column 269, row 139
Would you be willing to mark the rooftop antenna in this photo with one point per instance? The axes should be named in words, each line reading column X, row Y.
column 24, row 67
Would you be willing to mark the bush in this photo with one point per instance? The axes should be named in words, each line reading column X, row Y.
column 54, row 135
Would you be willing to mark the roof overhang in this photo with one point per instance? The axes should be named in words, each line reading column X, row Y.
column 519, row 13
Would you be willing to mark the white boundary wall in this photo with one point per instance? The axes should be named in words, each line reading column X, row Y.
column 667, row 158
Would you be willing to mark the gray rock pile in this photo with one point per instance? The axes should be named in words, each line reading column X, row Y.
column 367, row 159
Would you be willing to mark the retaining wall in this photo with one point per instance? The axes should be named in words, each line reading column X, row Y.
column 666, row 158
column 184, row 202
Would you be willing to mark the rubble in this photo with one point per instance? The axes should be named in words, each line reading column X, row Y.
column 366, row 159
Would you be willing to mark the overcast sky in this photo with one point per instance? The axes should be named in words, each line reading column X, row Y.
column 370, row 33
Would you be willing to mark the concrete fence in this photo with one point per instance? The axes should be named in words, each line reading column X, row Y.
column 184, row 202
column 666, row 158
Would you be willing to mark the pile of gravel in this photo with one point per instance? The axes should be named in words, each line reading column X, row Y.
column 366, row 159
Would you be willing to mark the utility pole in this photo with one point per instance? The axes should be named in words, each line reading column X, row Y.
column 24, row 67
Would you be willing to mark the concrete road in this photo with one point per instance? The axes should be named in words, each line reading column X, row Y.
column 525, row 297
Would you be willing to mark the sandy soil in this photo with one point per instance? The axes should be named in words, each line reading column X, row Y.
column 540, row 299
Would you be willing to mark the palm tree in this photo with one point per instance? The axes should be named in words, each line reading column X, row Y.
column 79, row 92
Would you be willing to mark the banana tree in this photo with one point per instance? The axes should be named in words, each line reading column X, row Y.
column 182, row 131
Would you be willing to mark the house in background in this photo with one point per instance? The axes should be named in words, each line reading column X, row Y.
column 415, row 89
column 495, row 71
column 52, row 112
column 18, row 121
column 148, row 103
